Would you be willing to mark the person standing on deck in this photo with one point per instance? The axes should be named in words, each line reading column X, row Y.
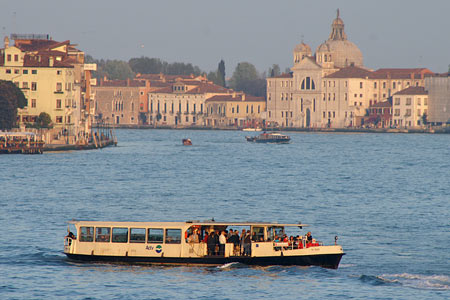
column 248, row 244
column 222, row 242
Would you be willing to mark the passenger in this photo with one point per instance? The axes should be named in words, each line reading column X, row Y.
column 309, row 237
column 254, row 238
column 193, row 238
column 71, row 235
column 236, row 242
column 222, row 242
column 205, row 239
column 211, row 243
column 276, row 239
column 261, row 239
column 242, row 241
column 216, row 242
column 247, row 244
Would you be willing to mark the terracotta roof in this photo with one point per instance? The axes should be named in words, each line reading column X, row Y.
column 206, row 87
column 350, row 72
column 284, row 75
column 382, row 104
column 235, row 97
column 122, row 83
column 413, row 90
column 44, row 61
column 401, row 73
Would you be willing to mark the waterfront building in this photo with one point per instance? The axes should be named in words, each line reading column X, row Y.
column 409, row 106
column 182, row 103
column 438, row 88
column 380, row 114
column 235, row 110
column 53, row 78
column 333, row 88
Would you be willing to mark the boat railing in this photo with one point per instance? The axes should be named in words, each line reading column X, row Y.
column 278, row 246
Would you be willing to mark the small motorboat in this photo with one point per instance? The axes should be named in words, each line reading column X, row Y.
column 187, row 142
column 272, row 137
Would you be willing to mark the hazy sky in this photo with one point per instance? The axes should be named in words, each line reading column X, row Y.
column 394, row 33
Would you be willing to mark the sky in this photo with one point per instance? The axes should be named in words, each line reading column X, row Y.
column 390, row 33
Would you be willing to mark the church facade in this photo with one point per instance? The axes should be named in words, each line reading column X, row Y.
column 332, row 88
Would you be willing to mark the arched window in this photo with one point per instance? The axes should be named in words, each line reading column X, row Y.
column 325, row 57
column 308, row 84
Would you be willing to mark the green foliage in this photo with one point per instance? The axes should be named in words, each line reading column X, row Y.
column 44, row 120
column 245, row 78
column 213, row 76
column 221, row 73
column 274, row 70
column 424, row 119
column 11, row 98
column 146, row 65
column 112, row 69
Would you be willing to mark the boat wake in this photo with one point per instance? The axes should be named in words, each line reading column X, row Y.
column 427, row 282
column 229, row 265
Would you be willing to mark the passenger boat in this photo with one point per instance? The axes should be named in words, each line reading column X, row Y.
column 183, row 243
column 20, row 142
column 187, row 142
column 272, row 137
column 252, row 129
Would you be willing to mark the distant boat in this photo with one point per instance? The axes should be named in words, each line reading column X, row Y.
column 252, row 129
column 187, row 142
column 272, row 137
column 20, row 142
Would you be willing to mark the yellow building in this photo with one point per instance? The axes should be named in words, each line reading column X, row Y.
column 409, row 106
column 235, row 110
column 52, row 77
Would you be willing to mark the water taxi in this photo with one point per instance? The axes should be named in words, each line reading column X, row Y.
column 187, row 142
column 207, row 243
column 272, row 137
column 20, row 142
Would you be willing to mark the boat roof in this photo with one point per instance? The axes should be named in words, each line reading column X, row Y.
column 16, row 133
column 184, row 224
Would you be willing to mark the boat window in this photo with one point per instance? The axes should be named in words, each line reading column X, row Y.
column 274, row 231
column 258, row 233
column 173, row 236
column 120, row 235
column 86, row 234
column 137, row 235
column 155, row 235
column 103, row 234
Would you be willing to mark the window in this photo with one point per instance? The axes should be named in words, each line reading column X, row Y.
column 425, row 101
column 397, row 112
column 16, row 57
column 397, row 101
column 334, row 114
column 34, row 72
column 16, row 71
column 374, row 85
column 33, row 103
column 419, row 101
column 120, row 235
column 86, row 234
column 58, row 86
column 25, row 85
column 308, row 84
column 34, row 86
column 408, row 112
column 324, row 115
column 384, row 85
column 58, row 103
column 155, row 235
column 59, row 119
column 58, row 72
column 360, row 85
column 137, row 235
column 8, row 71
column 8, row 57
column 393, row 85
column 103, row 234
column 173, row 236
column 408, row 101
column 25, row 71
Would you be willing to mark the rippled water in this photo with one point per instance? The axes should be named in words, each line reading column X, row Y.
column 385, row 195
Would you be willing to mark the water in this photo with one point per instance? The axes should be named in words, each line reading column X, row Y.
column 385, row 195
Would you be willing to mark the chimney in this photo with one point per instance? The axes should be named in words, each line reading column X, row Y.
column 50, row 61
column 6, row 42
column 128, row 81
column 412, row 75
column 147, row 84
column 243, row 97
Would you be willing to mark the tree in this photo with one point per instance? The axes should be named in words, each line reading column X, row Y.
column 146, row 65
column 424, row 119
column 11, row 98
column 245, row 78
column 117, row 69
column 274, row 70
column 44, row 120
column 221, row 73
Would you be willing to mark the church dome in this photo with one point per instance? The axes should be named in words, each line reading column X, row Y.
column 302, row 47
column 337, row 49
